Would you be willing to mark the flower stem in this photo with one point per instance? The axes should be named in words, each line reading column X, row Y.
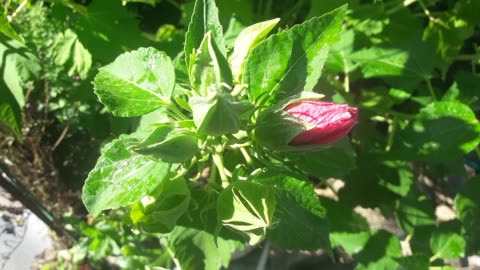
column 246, row 156
column 217, row 159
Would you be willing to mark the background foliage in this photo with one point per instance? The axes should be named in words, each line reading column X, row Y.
column 409, row 66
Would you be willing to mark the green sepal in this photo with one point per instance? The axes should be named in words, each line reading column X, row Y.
column 275, row 128
column 169, row 144
column 217, row 114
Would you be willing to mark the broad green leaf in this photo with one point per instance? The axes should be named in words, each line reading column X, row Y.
column 168, row 144
column 348, row 229
column 19, row 66
column 143, row 87
column 160, row 211
column 204, row 19
column 107, row 29
column 10, row 118
column 420, row 241
column 351, row 242
column 68, row 51
column 415, row 261
column 6, row 28
column 246, row 40
column 467, row 10
column 447, row 245
column 289, row 62
column 302, row 222
column 208, row 67
column 375, row 182
column 334, row 161
column 379, row 252
column 339, row 56
column 400, row 67
column 414, row 212
column 195, row 241
column 467, row 205
column 465, row 89
column 441, row 131
column 121, row 177
column 448, row 38
column 248, row 208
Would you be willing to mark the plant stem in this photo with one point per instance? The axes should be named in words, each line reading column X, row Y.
column 468, row 57
column 346, row 80
column 391, row 133
column 217, row 159
column 19, row 8
column 246, row 156
column 430, row 88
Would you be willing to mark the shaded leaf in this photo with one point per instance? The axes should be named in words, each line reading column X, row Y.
column 69, row 51
column 299, row 218
column 195, row 241
column 441, row 131
column 467, row 205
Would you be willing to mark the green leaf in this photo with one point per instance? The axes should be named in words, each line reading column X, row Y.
column 339, row 57
column 67, row 50
column 107, row 29
column 379, row 252
column 141, row 88
column 400, row 67
column 10, row 116
column 464, row 89
column 204, row 19
column 301, row 219
column 195, row 242
column 414, row 212
column 6, row 28
column 248, row 208
column 467, row 205
column 19, row 66
column 348, row 229
column 161, row 211
column 334, row 161
column 208, row 67
column 121, row 177
column 169, row 144
column 441, row 131
column 246, row 40
column 415, row 261
column 447, row 245
column 448, row 38
column 375, row 182
column 289, row 62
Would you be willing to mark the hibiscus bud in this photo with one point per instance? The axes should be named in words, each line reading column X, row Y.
column 303, row 123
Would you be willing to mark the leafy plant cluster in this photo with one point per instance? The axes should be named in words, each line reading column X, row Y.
column 193, row 173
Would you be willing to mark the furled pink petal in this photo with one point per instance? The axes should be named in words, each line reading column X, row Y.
column 332, row 121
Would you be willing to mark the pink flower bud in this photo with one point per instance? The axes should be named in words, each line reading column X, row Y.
column 329, row 121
